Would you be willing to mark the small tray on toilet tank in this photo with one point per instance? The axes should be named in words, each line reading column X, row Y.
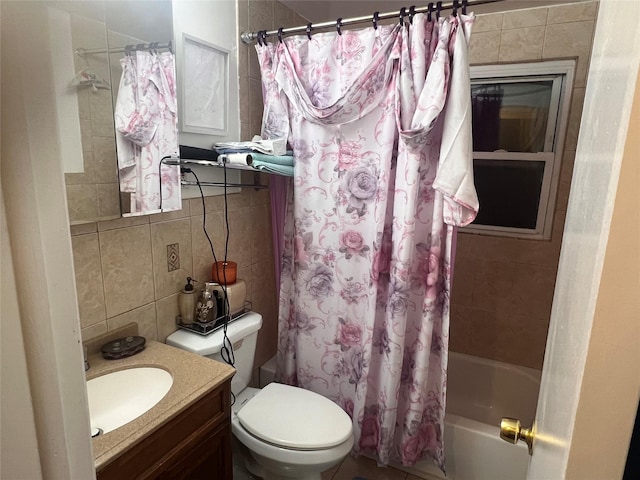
column 239, row 329
column 205, row 329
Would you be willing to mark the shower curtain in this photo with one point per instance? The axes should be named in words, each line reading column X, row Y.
column 380, row 124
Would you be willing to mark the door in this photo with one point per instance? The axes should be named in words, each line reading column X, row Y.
column 605, row 128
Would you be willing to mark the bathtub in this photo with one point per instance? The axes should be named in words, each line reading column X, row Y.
column 479, row 393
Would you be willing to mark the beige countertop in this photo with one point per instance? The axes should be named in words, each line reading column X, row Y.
column 193, row 377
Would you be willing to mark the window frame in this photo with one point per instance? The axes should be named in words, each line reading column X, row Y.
column 561, row 72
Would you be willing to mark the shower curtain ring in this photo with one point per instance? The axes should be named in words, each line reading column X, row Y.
column 280, row 34
column 412, row 12
column 465, row 3
column 438, row 10
column 403, row 12
column 375, row 19
column 339, row 26
column 456, row 4
column 429, row 12
column 262, row 38
column 309, row 30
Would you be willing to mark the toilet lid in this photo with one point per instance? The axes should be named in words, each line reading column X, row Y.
column 295, row 418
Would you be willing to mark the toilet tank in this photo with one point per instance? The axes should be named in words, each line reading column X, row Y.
column 242, row 332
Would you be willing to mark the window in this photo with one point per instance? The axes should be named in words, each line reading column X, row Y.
column 519, row 117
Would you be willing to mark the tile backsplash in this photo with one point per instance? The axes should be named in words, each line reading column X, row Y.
column 122, row 274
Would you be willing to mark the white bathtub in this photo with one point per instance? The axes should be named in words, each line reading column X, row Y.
column 479, row 393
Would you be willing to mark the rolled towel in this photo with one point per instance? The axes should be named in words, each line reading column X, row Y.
column 267, row 167
column 286, row 160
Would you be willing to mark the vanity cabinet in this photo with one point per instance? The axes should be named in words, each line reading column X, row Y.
column 194, row 444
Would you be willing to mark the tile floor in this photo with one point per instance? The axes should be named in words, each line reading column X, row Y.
column 351, row 468
column 366, row 469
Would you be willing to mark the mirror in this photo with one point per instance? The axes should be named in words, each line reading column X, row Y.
column 143, row 79
column 87, row 41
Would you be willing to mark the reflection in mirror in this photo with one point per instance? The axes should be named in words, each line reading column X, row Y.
column 142, row 65
column 83, row 103
column 87, row 79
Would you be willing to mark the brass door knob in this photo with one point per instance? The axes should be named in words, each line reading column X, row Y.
column 511, row 431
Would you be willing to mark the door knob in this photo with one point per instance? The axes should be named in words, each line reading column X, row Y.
column 511, row 431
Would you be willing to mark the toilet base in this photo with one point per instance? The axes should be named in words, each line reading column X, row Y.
column 256, row 469
column 247, row 467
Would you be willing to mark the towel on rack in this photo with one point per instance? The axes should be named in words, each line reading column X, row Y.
column 274, row 146
column 286, row 170
column 277, row 164
column 286, row 160
column 248, row 157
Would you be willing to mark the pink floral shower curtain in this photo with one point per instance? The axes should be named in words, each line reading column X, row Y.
column 379, row 120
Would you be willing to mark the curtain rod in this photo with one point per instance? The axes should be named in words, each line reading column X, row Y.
column 128, row 48
column 250, row 37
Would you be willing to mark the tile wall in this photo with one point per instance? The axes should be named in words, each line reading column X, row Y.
column 503, row 287
column 122, row 271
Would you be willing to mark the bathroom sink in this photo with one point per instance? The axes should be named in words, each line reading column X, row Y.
column 120, row 397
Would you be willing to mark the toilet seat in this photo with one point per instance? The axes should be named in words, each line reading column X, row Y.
column 294, row 418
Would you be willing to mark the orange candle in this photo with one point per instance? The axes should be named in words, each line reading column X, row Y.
column 224, row 273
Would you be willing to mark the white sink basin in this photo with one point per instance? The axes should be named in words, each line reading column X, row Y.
column 120, row 397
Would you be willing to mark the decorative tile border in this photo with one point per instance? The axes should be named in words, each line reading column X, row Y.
column 173, row 257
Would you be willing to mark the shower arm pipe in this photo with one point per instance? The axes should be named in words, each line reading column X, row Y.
column 250, row 37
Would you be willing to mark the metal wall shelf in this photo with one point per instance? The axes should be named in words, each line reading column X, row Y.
column 176, row 161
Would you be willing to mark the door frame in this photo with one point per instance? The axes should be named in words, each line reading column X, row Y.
column 604, row 132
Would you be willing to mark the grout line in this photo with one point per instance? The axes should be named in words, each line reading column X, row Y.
column 338, row 469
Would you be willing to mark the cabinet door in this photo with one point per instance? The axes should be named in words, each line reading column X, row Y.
column 210, row 459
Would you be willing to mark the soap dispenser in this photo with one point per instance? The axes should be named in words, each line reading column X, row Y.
column 187, row 300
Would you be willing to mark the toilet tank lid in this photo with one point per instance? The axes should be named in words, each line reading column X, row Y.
column 212, row 343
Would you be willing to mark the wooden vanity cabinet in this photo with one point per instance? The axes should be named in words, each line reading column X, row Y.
column 194, row 445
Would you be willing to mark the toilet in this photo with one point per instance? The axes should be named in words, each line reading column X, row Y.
column 284, row 432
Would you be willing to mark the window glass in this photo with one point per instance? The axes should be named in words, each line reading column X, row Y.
column 509, row 192
column 511, row 117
